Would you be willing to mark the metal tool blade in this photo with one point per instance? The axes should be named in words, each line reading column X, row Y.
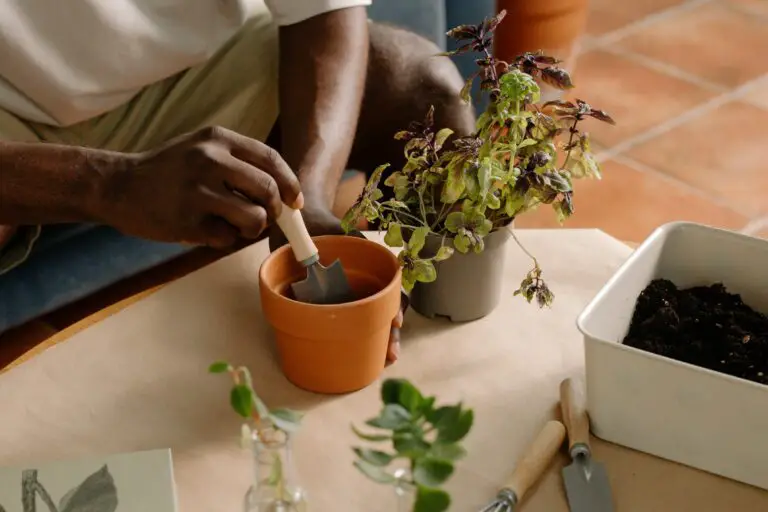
column 587, row 486
column 324, row 285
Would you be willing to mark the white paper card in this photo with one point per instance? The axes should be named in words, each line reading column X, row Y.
column 130, row 482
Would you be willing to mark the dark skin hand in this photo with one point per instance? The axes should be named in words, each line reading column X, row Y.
column 214, row 187
column 209, row 187
column 323, row 63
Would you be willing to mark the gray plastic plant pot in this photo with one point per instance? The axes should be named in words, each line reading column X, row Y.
column 468, row 286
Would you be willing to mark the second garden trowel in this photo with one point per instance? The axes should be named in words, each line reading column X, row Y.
column 586, row 481
column 323, row 285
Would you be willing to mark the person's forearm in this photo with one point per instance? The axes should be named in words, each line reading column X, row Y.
column 48, row 183
column 323, row 64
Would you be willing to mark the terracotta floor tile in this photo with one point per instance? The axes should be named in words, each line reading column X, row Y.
column 723, row 152
column 758, row 7
column 609, row 15
column 759, row 95
column 713, row 41
column 636, row 96
column 629, row 204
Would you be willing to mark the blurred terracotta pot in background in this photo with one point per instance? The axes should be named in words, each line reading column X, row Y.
column 553, row 26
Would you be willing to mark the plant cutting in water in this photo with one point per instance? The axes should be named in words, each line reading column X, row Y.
column 523, row 154
column 263, row 425
column 426, row 438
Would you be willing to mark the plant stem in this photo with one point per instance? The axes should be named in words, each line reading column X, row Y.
column 401, row 212
column 492, row 61
column 519, row 244
column 573, row 131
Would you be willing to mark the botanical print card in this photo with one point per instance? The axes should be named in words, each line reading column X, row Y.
column 130, row 482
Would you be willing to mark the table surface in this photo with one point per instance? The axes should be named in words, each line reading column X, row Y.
column 134, row 378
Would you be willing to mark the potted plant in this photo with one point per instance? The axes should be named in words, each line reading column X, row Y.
column 267, row 432
column 333, row 348
column 424, row 442
column 452, row 205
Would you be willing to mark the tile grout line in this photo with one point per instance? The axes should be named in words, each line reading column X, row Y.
column 683, row 118
column 631, row 28
column 664, row 68
column 720, row 202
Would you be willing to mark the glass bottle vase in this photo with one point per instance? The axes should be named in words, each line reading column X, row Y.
column 405, row 491
column 275, row 485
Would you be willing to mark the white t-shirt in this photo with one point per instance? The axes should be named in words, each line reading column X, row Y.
column 65, row 61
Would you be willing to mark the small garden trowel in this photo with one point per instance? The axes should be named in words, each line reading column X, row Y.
column 586, row 481
column 530, row 468
column 323, row 285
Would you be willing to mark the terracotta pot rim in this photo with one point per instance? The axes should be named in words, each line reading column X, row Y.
column 395, row 282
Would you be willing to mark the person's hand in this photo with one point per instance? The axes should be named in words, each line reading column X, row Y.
column 320, row 221
column 211, row 187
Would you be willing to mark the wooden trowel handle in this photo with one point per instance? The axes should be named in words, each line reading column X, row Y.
column 573, row 401
column 292, row 224
column 530, row 468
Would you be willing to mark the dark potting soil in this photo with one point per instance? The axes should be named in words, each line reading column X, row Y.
column 705, row 326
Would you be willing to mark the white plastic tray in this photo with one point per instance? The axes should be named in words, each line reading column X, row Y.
column 677, row 411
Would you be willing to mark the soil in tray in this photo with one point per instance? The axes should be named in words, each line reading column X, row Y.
column 705, row 326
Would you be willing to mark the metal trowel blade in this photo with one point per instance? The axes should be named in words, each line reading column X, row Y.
column 324, row 285
column 587, row 486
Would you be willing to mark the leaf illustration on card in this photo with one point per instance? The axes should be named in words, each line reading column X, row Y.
column 97, row 493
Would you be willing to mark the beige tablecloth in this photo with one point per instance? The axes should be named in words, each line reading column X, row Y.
column 138, row 381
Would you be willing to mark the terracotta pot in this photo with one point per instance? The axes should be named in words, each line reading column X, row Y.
column 553, row 26
column 335, row 348
column 468, row 286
